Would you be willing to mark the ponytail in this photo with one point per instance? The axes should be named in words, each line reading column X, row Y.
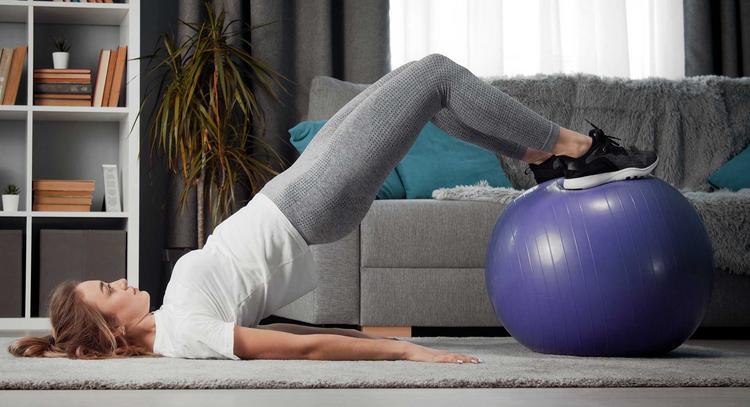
column 35, row 346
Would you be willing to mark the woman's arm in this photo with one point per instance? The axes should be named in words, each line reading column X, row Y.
column 337, row 347
column 252, row 343
column 308, row 330
column 265, row 343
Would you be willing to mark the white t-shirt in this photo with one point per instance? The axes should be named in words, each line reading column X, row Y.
column 254, row 263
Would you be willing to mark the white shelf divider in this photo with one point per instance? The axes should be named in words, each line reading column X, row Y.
column 27, row 323
column 77, row 113
column 13, row 214
column 92, row 214
column 12, row 112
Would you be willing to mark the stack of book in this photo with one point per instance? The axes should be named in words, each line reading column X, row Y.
column 62, row 87
column 91, row 1
column 62, row 195
column 109, row 77
column 11, row 68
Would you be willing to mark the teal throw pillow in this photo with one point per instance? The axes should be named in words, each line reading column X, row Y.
column 439, row 160
column 734, row 174
column 303, row 133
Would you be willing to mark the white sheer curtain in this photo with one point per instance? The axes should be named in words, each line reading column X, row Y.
column 616, row 38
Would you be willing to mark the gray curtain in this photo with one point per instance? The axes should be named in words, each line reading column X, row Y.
column 346, row 39
column 717, row 37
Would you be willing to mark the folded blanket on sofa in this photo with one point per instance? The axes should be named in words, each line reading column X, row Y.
column 725, row 214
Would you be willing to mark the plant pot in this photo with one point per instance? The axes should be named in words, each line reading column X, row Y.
column 10, row 203
column 60, row 60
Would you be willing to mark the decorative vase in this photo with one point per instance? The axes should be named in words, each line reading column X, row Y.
column 60, row 60
column 10, row 203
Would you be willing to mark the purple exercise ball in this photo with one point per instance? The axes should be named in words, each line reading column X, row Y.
column 621, row 269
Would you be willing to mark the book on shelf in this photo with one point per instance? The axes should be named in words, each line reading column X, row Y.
column 64, row 80
column 109, row 77
column 66, row 75
column 62, row 195
column 62, row 102
column 63, row 88
column 117, row 81
column 71, row 77
column 61, row 208
column 62, row 71
column 90, row 1
column 100, row 77
column 6, row 54
column 68, row 96
column 11, row 69
column 75, row 86
column 63, row 185
column 106, row 90
column 63, row 200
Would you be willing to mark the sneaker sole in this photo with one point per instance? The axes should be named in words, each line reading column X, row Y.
column 603, row 178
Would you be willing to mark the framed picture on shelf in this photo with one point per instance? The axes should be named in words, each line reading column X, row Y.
column 111, row 188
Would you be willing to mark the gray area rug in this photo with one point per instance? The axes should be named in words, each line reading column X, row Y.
column 725, row 214
column 506, row 364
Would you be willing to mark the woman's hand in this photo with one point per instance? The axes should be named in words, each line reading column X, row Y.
column 419, row 353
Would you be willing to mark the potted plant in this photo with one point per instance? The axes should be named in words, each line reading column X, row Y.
column 10, row 198
column 61, row 56
column 206, row 110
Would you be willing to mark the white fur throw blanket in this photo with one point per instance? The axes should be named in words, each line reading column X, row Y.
column 725, row 214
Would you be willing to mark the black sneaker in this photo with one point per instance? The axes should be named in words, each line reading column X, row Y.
column 606, row 161
column 548, row 169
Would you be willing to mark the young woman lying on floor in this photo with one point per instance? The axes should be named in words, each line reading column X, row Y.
column 259, row 260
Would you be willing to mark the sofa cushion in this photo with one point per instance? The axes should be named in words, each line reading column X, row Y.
column 439, row 160
column 328, row 95
column 734, row 174
column 302, row 134
column 427, row 233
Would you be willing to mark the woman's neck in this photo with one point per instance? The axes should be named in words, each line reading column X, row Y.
column 145, row 332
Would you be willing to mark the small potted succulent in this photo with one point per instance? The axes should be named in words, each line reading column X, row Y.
column 60, row 56
column 10, row 198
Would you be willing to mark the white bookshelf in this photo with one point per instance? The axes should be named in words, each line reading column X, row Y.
column 50, row 142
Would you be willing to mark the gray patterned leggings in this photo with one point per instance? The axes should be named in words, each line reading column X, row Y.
column 327, row 191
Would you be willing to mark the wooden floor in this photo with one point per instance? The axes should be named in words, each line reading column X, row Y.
column 672, row 397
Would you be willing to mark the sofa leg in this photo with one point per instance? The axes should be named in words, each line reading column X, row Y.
column 388, row 330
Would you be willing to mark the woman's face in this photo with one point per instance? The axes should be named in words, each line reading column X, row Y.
column 116, row 298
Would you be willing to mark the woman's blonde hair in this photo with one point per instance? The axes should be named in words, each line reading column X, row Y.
column 79, row 331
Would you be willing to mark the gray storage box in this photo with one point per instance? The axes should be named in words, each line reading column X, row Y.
column 78, row 255
column 11, row 273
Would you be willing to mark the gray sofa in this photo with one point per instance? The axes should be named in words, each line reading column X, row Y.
column 420, row 262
